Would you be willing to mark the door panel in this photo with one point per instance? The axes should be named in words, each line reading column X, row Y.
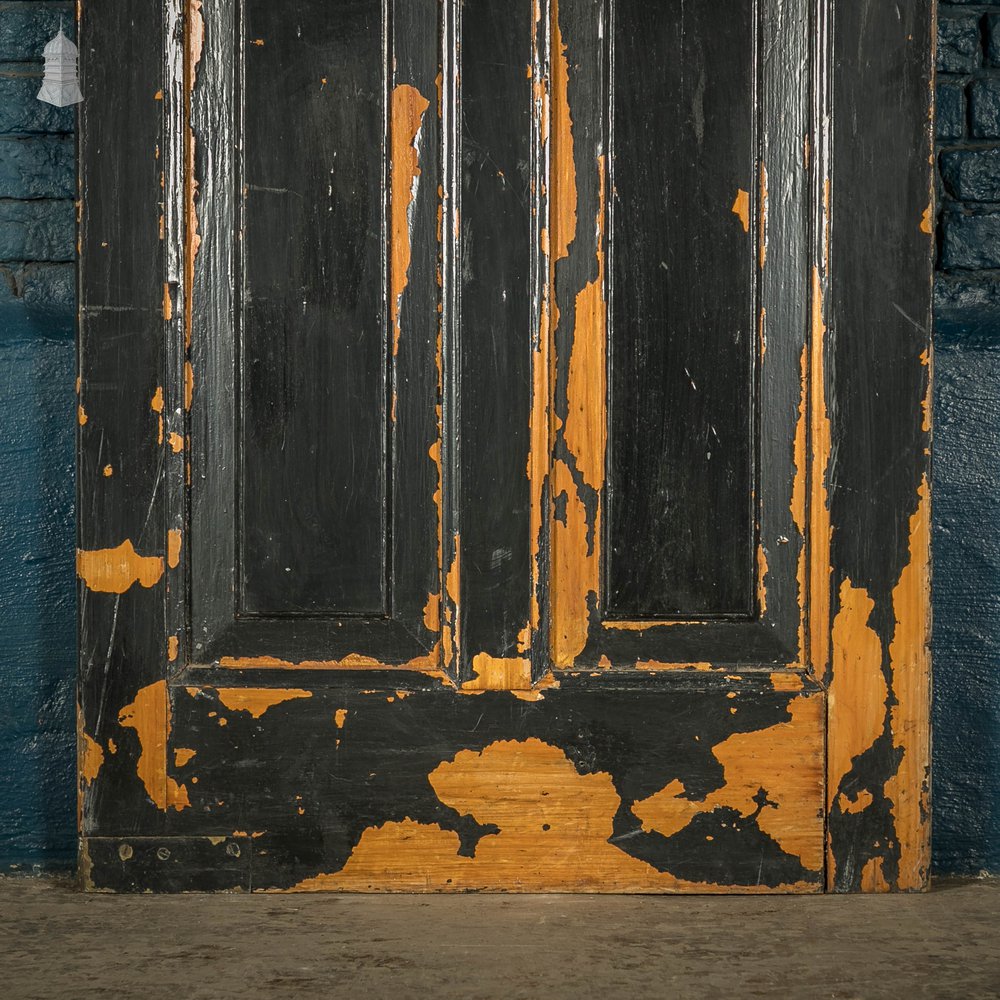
column 313, row 373
column 681, row 329
column 678, row 529
column 315, row 407
column 405, row 330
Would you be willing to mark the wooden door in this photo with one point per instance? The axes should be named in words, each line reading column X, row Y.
column 504, row 446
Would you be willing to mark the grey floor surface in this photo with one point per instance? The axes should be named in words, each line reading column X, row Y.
column 55, row 942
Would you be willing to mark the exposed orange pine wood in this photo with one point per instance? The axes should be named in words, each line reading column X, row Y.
column 408, row 107
column 149, row 715
column 113, row 571
column 555, row 827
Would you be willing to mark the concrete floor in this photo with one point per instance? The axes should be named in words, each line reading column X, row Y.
column 56, row 943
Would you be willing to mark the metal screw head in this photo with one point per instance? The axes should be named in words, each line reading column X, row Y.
column 163, row 853
column 124, row 851
column 233, row 849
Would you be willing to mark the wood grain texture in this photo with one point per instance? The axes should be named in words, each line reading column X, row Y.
column 877, row 359
column 410, row 789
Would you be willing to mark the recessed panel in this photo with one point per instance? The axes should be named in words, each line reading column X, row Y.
column 682, row 331
column 314, row 488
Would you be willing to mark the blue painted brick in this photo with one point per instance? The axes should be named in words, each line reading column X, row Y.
column 967, row 310
column 984, row 108
column 50, row 286
column 971, row 240
column 958, row 49
column 26, row 27
column 37, row 597
column 37, row 167
column 21, row 113
column 37, row 230
column 950, row 109
column 993, row 39
column 972, row 174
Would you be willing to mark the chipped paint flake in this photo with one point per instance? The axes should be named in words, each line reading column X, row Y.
column 741, row 209
column 173, row 547
column 821, row 531
column 785, row 761
column 576, row 540
column 908, row 789
column 91, row 759
column 257, row 701
column 858, row 691
column 114, row 571
column 555, row 827
column 408, row 107
column 149, row 716
column 499, row 674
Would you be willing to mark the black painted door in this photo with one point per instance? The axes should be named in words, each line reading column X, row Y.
column 492, row 452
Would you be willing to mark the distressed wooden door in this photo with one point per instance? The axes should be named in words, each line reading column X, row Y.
column 504, row 445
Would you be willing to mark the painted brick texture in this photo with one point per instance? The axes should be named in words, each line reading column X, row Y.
column 37, row 362
column 967, row 442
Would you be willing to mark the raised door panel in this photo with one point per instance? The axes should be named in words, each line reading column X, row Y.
column 679, row 278
column 314, row 334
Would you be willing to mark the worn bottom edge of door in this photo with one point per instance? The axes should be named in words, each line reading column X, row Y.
column 697, row 790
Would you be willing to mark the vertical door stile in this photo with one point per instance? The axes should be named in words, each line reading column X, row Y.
column 495, row 322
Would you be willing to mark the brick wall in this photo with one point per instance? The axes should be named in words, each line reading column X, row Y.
column 37, row 535
column 967, row 442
